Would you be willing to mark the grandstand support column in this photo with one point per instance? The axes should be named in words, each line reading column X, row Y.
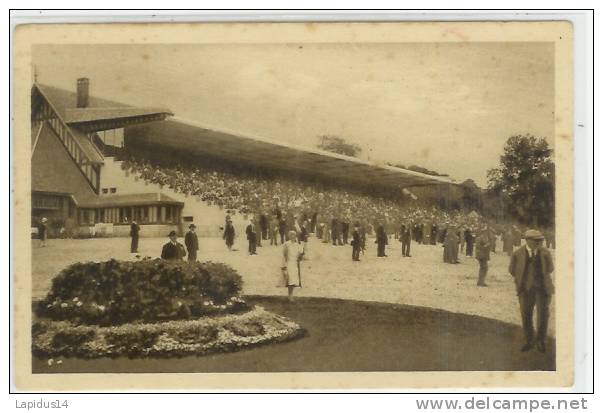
column 179, row 221
column 97, row 170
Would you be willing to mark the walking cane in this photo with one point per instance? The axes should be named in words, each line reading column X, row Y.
column 299, row 272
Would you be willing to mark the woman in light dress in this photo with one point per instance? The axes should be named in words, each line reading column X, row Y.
column 290, row 265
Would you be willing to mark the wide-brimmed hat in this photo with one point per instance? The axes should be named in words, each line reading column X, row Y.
column 191, row 226
column 172, row 234
column 533, row 234
column 44, row 220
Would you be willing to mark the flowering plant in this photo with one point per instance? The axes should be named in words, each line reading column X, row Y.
column 116, row 292
column 205, row 335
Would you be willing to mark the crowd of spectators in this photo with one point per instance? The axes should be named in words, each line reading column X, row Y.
column 287, row 202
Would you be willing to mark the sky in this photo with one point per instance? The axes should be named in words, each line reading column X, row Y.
column 448, row 107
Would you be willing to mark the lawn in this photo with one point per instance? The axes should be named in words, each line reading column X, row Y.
column 345, row 335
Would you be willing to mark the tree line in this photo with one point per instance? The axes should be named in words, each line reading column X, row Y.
column 521, row 187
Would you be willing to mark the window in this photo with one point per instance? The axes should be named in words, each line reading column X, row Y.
column 123, row 215
column 105, row 190
column 113, row 190
column 87, row 216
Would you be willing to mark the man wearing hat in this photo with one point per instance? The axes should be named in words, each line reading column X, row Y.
column 173, row 250
column 405, row 237
column 192, row 243
column 482, row 254
column 531, row 267
column 251, row 233
column 134, row 230
column 356, row 242
column 43, row 231
column 229, row 233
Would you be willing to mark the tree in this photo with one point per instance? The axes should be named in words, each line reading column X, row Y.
column 526, row 176
column 333, row 143
column 472, row 196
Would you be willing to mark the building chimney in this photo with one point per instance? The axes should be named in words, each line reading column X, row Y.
column 82, row 92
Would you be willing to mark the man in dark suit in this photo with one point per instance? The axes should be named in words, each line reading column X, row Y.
column 251, row 237
column 335, row 231
column 531, row 267
column 469, row 239
column 264, row 227
column 282, row 228
column 258, row 228
column 482, row 254
column 405, row 236
column 173, row 250
column 43, row 232
column 345, row 230
column 192, row 243
column 362, row 232
column 381, row 241
column 356, row 243
column 134, row 230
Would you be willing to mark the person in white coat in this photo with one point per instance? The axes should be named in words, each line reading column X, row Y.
column 290, row 265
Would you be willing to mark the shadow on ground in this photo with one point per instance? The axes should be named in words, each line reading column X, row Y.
column 344, row 335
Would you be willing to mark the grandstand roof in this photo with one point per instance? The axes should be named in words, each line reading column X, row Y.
column 94, row 114
column 65, row 103
column 235, row 146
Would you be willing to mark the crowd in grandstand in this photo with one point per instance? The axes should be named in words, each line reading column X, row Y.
column 277, row 205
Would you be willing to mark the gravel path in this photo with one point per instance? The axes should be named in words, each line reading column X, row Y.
column 421, row 280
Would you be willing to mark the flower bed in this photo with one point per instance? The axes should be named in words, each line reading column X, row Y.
column 205, row 335
column 117, row 292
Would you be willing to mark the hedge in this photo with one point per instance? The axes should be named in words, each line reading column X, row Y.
column 117, row 292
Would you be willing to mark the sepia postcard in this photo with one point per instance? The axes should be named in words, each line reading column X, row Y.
column 265, row 206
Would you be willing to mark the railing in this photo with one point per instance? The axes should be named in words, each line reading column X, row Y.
column 89, row 168
column 106, row 150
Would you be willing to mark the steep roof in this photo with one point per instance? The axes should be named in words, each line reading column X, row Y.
column 53, row 170
column 63, row 99
column 65, row 103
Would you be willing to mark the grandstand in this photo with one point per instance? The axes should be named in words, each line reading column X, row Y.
column 74, row 138
column 79, row 180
